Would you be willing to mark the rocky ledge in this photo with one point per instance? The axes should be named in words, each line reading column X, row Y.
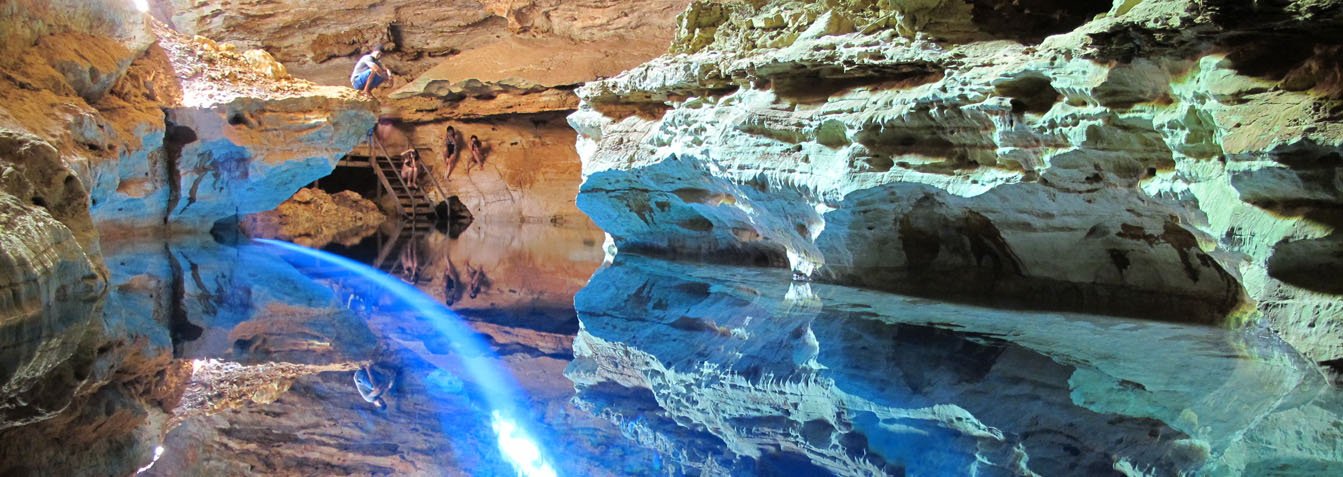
column 1157, row 159
column 113, row 125
column 314, row 218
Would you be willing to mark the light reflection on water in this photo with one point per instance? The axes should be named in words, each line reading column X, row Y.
column 659, row 368
column 515, row 441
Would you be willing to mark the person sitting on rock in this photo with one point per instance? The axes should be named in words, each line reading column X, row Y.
column 373, row 384
column 369, row 72
column 477, row 155
column 451, row 150
column 410, row 168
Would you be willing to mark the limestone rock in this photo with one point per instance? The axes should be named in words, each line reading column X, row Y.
column 313, row 218
column 1142, row 158
column 239, row 137
column 550, row 42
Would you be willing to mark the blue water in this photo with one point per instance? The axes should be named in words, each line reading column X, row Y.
column 516, row 350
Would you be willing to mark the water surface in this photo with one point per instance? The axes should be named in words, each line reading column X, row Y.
column 648, row 367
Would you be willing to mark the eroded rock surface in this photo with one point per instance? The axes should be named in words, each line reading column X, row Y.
column 97, row 107
column 238, row 136
column 547, row 42
column 314, row 218
column 1155, row 159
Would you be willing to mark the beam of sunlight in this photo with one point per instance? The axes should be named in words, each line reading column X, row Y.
column 142, row 5
column 500, row 393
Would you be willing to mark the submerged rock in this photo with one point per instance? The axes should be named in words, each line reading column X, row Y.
column 1151, row 159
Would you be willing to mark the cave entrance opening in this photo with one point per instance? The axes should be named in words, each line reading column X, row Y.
column 352, row 173
column 355, row 173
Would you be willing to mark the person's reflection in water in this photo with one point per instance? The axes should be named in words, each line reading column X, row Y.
column 477, row 281
column 410, row 262
column 452, row 284
column 373, row 382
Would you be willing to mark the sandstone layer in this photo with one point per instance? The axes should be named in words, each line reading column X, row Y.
column 109, row 122
column 561, row 42
column 314, row 218
column 1156, row 159
column 237, row 136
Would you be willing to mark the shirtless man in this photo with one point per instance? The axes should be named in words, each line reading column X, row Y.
column 452, row 150
column 477, row 155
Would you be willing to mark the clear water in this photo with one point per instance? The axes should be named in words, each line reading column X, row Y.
column 646, row 367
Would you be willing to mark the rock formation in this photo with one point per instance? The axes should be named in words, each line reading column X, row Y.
column 548, row 42
column 504, row 71
column 1157, row 159
column 736, row 371
column 238, row 136
column 112, row 125
column 314, row 218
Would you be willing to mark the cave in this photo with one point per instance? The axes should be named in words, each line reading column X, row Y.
column 671, row 237
column 1031, row 21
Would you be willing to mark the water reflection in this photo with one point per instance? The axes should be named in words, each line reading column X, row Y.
column 737, row 371
column 653, row 368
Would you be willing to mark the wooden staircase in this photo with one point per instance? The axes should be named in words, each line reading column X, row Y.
column 417, row 211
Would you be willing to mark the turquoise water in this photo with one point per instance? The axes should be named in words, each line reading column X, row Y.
column 516, row 350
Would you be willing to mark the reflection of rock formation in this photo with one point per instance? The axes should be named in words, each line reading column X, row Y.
column 902, row 145
column 83, row 388
column 307, row 417
column 695, row 363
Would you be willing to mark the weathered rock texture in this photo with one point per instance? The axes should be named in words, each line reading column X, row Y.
column 502, row 70
column 314, row 218
column 106, row 119
column 1159, row 159
column 545, row 42
column 735, row 371
column 238, row 136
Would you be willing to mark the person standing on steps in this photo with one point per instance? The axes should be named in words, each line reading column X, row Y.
column 477, row 155
column 369, row 73
column 451, row 150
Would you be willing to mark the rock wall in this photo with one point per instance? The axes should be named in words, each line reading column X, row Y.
column 530, row 173
column 1155, row 159
column 236, row 136
column 549, row 42
column 110, row 124
column 502, row 70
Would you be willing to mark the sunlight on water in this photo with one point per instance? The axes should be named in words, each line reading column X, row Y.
column 520, row 449
column 480, row 362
